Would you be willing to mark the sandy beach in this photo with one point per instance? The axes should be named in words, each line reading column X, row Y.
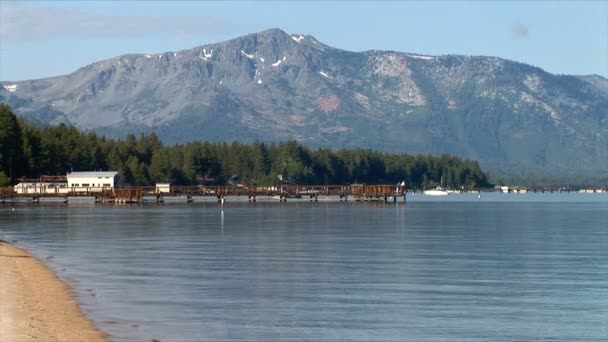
column 35, row 305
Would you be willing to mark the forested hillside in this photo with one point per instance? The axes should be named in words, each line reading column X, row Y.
column 30, row 151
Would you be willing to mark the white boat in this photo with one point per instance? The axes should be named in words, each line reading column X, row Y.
column 436, row 192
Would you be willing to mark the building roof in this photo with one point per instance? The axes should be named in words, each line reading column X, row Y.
column 93, row 174
column 22, row 184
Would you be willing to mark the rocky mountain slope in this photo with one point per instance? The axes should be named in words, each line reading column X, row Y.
column 274, row 86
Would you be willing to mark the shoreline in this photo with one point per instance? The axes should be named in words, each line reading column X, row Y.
column 35, row 305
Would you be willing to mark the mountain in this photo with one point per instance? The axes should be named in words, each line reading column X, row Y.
column 273, row 86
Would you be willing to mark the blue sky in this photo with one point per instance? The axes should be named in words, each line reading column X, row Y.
column 40, row 39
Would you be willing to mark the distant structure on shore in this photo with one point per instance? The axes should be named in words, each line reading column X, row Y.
column 94, row 179
column 89, row 181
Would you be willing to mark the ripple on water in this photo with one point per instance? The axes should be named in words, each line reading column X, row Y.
column 453, row 270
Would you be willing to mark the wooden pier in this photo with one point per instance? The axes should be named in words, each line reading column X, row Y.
column 282, row 193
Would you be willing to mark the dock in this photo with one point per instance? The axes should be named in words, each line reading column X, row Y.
column 282, row 193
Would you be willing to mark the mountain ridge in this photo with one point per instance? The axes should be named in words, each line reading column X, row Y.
column 274, row 86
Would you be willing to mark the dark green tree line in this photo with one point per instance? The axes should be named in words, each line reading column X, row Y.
column 30, row 151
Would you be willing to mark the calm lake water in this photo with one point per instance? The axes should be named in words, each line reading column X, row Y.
column 461, row 268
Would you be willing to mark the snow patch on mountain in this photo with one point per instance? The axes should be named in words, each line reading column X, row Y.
column 422, row 57
column 10, row 88
column 298, row 39
column 208, row 54
column 279, row 61
column 247, row 55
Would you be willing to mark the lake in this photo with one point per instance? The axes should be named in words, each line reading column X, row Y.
column 459, row 268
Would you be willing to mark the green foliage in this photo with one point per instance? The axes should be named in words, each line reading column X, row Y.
column 29, row 151
column 4, row 181
column 10, row 142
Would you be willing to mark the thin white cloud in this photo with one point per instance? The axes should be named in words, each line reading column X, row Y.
column 520, row 31
column 28, row 23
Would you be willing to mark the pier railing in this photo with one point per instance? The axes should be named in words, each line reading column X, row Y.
column 288, row 190
column 7, row 192
column 136, row 193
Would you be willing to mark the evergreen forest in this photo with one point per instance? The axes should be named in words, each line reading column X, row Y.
column 30, row 151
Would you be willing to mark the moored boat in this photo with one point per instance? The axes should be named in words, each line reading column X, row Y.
column 436, row 192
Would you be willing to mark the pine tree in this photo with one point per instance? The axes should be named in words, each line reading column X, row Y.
column 10, row 143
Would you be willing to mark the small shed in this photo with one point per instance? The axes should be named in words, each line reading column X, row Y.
column 163, row 188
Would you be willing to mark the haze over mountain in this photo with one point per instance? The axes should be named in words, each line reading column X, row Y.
column 274, row 86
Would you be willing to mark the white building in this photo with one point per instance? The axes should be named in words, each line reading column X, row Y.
column 41, row 188
column 92, row 180
column 163, row 188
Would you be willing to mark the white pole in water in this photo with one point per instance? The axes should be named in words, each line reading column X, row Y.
column 222, row 222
